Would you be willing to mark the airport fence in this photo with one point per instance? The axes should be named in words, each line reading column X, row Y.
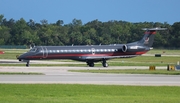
column 13, row 47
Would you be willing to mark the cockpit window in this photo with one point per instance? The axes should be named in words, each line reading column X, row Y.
column 38, row 50
column 33, row 50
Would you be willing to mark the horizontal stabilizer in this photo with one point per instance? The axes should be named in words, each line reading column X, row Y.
column 149, row 29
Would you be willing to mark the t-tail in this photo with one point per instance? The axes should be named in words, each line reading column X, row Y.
column 148, row 37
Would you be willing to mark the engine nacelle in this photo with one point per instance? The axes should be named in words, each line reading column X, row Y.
column 124, row 48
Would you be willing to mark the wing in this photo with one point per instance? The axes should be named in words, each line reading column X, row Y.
column 109, row 57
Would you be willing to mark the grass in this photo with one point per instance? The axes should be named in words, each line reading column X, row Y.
column 129, row 71
column 19, row 73
column 75, row 93
column 12, row 53
column 164, row 51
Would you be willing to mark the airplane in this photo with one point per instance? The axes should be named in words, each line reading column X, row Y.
column 92, row 53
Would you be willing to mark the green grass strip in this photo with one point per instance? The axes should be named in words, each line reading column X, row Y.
column 69, row 93
column 129, row 71
column 19, row 73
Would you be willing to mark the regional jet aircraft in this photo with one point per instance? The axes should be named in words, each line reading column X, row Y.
column 92, row 53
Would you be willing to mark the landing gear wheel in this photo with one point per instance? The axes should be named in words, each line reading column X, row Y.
column 91, row 64
column 27, row 65
column 104, row 63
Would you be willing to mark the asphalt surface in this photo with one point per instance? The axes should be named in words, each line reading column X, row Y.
column 61, row 75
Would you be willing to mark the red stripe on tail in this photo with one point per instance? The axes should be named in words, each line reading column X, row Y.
column 150, row 32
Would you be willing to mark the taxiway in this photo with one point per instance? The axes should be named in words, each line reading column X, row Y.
column 61, row 75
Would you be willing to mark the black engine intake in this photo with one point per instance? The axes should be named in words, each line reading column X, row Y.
column 124, row 48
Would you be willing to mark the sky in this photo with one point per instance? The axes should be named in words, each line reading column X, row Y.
column 88, row 10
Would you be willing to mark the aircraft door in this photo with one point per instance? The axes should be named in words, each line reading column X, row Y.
column 44, row 52
column 93, row 51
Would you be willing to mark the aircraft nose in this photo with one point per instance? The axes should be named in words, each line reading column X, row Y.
column 22, row 57
column 19, row 57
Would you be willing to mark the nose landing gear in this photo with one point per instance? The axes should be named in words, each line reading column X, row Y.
column 27, row 64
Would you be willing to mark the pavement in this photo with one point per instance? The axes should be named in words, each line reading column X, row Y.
column 61, row 75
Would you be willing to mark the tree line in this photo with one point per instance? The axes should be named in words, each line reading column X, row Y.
column 21, row 32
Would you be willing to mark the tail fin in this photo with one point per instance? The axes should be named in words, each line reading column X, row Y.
column 148, row 38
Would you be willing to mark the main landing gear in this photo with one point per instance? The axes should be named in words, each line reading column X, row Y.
column 91, row 63
column 104, row 63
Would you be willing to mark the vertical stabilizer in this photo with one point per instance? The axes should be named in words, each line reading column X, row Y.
column 148, row 37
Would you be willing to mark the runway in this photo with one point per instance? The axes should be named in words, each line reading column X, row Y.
column 60, row 75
